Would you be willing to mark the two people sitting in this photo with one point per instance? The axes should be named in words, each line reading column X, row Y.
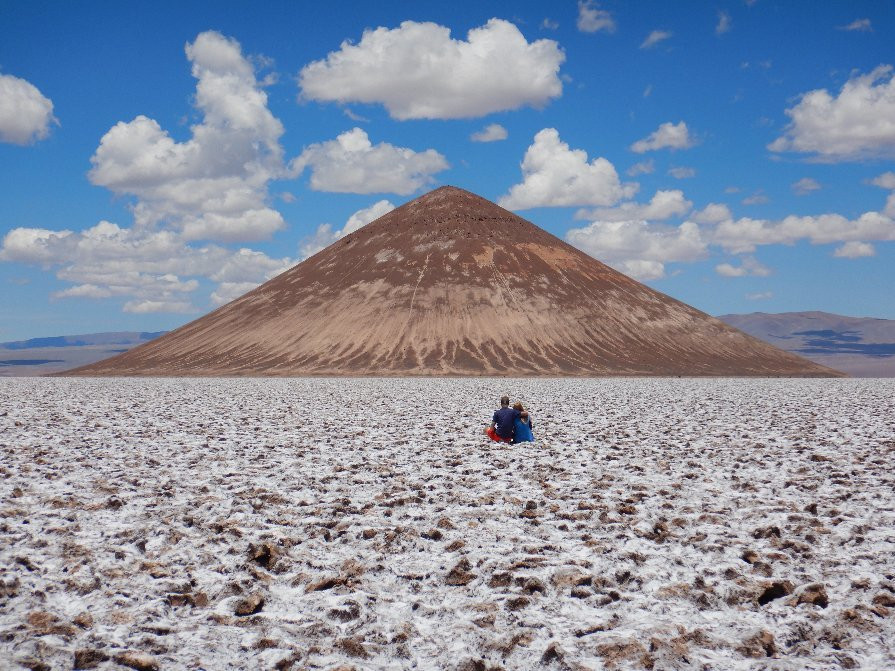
column 510, row 425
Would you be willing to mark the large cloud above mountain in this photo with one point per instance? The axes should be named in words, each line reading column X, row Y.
column 353, row 164
column 554, row 175
column 418, row 71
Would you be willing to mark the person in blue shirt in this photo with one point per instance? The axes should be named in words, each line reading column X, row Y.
column 522, row 426
column 502, row 423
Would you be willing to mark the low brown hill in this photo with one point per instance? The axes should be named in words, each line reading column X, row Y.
column 452, row 284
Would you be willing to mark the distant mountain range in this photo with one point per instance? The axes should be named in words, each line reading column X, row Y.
column 859, row 346
column 39, row 356
column 113, row 338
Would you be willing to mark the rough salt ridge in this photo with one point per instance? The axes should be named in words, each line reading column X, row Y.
column 656, row 523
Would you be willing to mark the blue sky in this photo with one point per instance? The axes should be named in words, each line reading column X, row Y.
column 159, row 159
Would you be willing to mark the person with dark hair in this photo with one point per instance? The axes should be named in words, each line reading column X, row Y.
column 522, row 427
column 501, row 429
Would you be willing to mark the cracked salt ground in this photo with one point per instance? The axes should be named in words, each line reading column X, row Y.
column 314, row 523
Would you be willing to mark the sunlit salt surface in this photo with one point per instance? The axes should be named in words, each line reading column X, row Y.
column 666, row 524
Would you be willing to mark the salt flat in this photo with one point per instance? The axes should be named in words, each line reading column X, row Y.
column 656, row 523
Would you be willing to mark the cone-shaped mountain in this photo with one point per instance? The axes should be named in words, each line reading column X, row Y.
column 452, row 284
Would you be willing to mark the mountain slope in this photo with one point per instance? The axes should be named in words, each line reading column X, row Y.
column 452, row 284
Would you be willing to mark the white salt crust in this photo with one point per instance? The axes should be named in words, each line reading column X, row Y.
column 617, row 540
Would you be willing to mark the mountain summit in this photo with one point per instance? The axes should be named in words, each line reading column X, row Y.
column 452, row 284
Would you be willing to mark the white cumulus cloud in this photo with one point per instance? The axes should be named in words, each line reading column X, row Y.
column 854, row 250
column 249, row 265
column 666, row 136
column 723, row 24
column 243, row 271
column 654, row 38
column 156, row 268
column 643, row 168
column 167, row 285
column 640, row 269
column 214, row 185
column 26, row 115
column 592, row 19
column 857, row 124
column 106, row 250
column 749, row 266
column 107, row 261
column 251, row 224
column 364, row 216
column 491, row 133
column 418, row 71
column 230, row 291
column 663, row 205
column 757, row 198
column 712, row 214
column 638, row 248
column 553, row 175
column 353, row 164
column 325, row 235
column 885, row 180
column 743, row 235
column 37, row 246
column 145, row 307
column 858, row 25
column 682, row 172
column 805, row 186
